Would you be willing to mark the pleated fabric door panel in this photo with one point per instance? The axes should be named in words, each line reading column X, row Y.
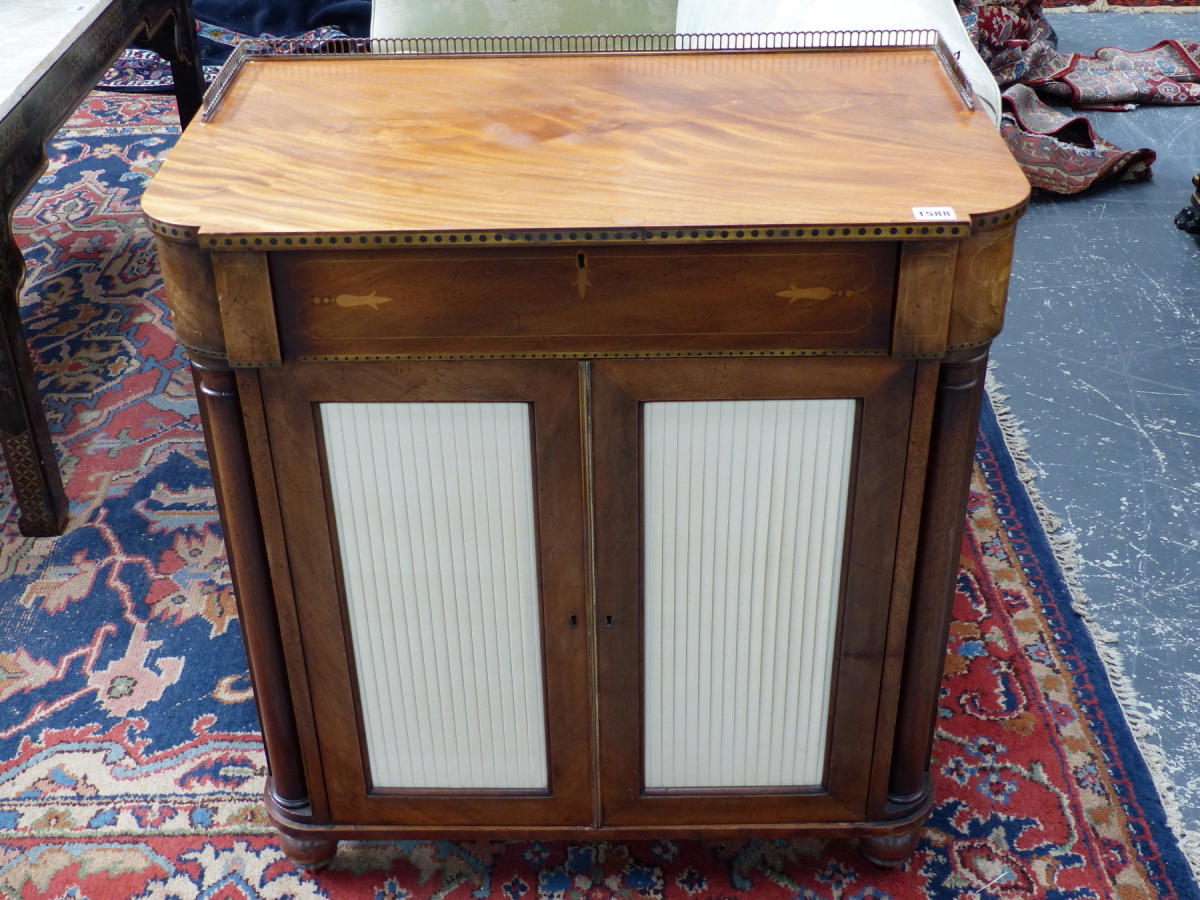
column 434, row 520
column 739, row 659
column 433, row 504
column 743, row 524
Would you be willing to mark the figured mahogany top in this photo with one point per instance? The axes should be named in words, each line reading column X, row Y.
column 375, row 145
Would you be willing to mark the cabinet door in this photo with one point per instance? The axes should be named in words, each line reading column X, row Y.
column 746, row 521
column 434, row 521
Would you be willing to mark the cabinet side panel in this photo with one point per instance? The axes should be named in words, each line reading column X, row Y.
column 744, row 522
column 435, row 523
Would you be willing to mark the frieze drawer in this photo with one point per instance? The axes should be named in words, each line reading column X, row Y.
column 479, row 302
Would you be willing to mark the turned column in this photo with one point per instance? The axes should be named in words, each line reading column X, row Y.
column 196, row 295
column 951, row 459
column 196, row 317
column 229, row 459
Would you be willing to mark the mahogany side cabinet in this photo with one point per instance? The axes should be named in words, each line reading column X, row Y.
column 592, row 430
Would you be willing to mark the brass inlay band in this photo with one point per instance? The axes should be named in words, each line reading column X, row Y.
column 675, row 235
column 212, row 354
column 576, row 354
column 557, row 45
column 970, row 345
column 530, row 238
column 351, row 300
column 993, row 220
column 172, row 231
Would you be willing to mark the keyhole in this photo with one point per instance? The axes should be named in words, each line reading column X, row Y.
column 608, row 621
column 574, row 621
column 582, row 260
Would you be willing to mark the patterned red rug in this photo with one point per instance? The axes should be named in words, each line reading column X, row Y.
column 1060, row 154
column 130, row 765
column 1063, row 154
column 1162, row 4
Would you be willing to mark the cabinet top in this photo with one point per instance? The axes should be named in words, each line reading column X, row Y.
column 567, row 148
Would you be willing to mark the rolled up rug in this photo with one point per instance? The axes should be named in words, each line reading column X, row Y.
column 1116, row 79
column 1061, row 153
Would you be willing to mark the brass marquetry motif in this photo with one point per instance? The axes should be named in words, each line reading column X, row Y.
column 793, row 293
column 582, row 283
column 350, row 300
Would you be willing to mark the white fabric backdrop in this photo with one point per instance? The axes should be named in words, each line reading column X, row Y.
column 474, row 18
column 454, row 18
column 716, row 16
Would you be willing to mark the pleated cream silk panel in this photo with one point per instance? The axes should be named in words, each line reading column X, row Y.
column 435, row 524
column 744, row 521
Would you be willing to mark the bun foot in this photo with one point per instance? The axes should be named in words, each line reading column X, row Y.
column 309, row 855
column 890, row 852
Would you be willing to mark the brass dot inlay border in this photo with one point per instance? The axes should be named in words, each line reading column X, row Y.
column 577, row 236
column 178, row 232
column 200, row 351
column 584, row 354
column 971, row 345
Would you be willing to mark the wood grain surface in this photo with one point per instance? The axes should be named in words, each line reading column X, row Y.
column 291, row 396
column 247, row 313
column 924, row 295
column 556, row 299
column 343, row 146
column 884, row 389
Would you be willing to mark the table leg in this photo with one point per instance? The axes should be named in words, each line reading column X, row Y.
column 175, row 41
column 24, row 435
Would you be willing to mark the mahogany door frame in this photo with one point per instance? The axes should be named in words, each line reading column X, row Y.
column 884, row 390
column 290, row 396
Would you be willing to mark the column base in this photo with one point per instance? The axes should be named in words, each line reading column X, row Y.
column 306, row 854
column 892, row 851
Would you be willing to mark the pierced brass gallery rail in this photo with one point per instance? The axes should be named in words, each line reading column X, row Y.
column 555, row 45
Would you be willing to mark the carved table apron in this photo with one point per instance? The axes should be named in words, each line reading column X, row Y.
column 55, row 59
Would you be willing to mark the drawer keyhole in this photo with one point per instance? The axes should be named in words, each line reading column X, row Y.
column 581, row 258
column 574, row 621
column 608, row 621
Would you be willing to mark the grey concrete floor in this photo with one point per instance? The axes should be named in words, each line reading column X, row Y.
column 1101, row 358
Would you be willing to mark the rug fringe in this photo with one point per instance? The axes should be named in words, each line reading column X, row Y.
column 1100, row 6
column 1066, row 553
